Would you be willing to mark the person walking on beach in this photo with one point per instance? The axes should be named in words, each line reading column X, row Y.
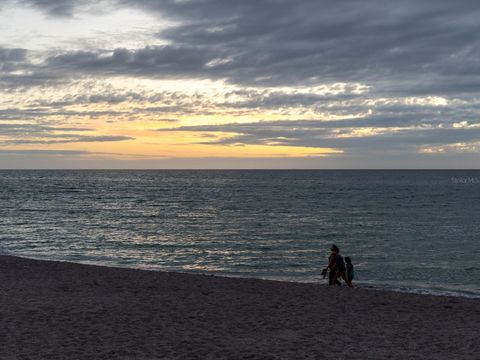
column 332, row 267
column 341, row 270
column 337, row 268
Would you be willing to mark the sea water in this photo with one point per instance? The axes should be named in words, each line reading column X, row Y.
column 406, row 230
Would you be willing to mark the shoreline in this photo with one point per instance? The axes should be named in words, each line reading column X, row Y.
column 369, row 286
column 55, row 310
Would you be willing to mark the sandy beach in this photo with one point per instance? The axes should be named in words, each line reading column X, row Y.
column 56, row 310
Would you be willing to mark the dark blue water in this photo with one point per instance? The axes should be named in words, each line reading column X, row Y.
column 403, row 229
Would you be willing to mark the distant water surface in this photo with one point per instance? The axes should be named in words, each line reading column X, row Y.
column 411, row 230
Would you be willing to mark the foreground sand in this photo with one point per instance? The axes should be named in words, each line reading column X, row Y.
column 54, row 310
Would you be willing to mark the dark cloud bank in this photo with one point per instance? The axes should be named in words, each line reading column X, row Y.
column 413, row 47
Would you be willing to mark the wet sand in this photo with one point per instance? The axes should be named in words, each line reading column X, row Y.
column 55, row 310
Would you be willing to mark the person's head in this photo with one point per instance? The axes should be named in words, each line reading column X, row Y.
column 335, row 248
column 348, row 260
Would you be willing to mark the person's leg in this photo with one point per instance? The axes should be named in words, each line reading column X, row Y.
column 332, row 277
column 335, row 279
column 347, row 280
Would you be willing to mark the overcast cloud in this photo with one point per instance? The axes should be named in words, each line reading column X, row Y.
column 370, row 79
column 420, row 45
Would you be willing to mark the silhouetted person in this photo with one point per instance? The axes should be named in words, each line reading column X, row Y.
column 340, row 268
column 350, row 269
column 332, row 266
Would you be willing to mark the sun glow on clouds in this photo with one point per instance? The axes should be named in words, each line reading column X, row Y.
column 470, row 148
column 175, row 79
column 132, row 110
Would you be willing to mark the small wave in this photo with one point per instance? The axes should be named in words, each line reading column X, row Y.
column 426, row 291
column 435, row 292
column 472, row 269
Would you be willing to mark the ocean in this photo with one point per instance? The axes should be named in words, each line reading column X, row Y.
column 412, row 230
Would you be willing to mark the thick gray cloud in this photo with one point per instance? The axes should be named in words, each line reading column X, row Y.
column 285, row 42
column 22, row 129
column 62, row 8
column 396, row 134
column 11, row 56
column 18, row 71
column 57, row 8
column 415, row 47
column 408, row 47
column 164, row 62
column 38, row 133
column 427, row 47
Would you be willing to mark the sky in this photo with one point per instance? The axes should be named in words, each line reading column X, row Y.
column 239, row 84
